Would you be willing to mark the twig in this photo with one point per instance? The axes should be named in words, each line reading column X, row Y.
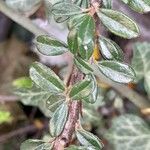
column 124, row 90
column 74, row 110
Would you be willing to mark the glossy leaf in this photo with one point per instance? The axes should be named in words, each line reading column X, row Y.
column 80, row 89
column 118, row 23
column 65, row 9
column 58, row 120
column 76, row 21
column 45, row 78
column 50, row 46
column 73, row 41
column 129, row 132
column 88, row 139
column 93, row 88
column 110, row 50
column 35, row 145
column 141, row 6
column 116, row 71
column 54, row 101
column 86, row 30
column 32, row 96
column 107, row 4
column 83, row 65
column 141, row 63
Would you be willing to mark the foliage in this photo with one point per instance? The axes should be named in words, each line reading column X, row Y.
column 5, row 117
column 141, row 63
column 53, row 96
column 129, row 132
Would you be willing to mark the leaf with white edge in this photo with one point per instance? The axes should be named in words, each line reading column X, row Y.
column 88, row 139
column 73, row 147
column 54, row 102
column 33, row 144
column 141, row 6
column 58, row 120
column 45, row 78
column 116, row 71
column 50, row 46
column 83, row 65
column 107, row 4
column 86, row 30
column 73, row 41
column 141, row 63
column 76, row 21
column 110, row 50
column 81, row 89
column 118, row 23
column 65, row 9
column 32, row 96
column 129, row 132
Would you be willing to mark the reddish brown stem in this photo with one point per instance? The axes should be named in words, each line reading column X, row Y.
column 74, row 110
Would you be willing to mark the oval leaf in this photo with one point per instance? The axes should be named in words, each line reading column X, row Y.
column 45, row 78
column 35, row 145
column 88, row 139
column 50, row 46
column 65, row 9
column 73, row 41
column 118, row 23
column 110, row 50
column 80, row 89
column 83, row 65
column 76, row 21
column 117, row 71
column 141, row 6
column 58, row 120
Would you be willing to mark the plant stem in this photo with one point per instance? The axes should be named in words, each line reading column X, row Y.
column 133, row 96
column 74, row 110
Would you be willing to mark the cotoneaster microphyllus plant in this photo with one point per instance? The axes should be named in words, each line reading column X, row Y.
column 92, row 53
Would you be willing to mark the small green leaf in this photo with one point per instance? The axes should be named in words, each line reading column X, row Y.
column 80, row 89
column 118, row 23
column 116, row 71
column 65, row 9
column 23, row 82
column 107, row 4
column 54, row 102
column 73, row 41
column 88, row 139
column 5, row 117
column 129, row 132
column 83, row 65
column 110, row 50
column 141, row 6
column 50, row 46
column 76, row 21
column 35, row 145
column 58, row 120
column 32, row 96
column 92, row 97
column 45, row 78
column 86, row 30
